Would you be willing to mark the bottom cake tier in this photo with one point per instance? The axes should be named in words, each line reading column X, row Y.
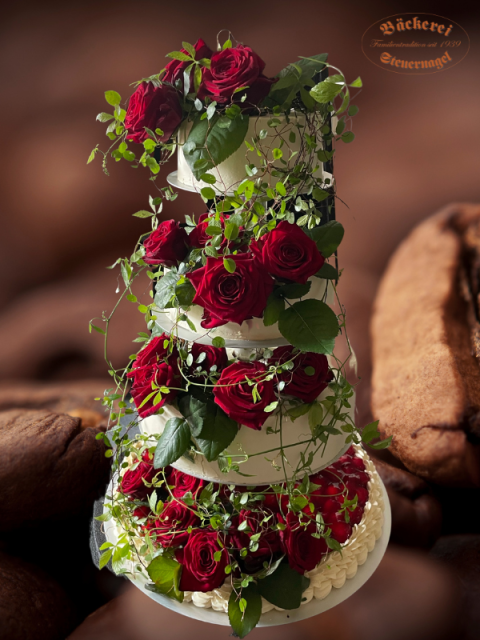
column 214, row 540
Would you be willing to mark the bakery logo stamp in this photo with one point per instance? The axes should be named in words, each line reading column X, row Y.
column 415, row 43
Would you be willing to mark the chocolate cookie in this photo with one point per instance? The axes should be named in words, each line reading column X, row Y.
column 426, row 377
column 32, row 605
column 49, row 466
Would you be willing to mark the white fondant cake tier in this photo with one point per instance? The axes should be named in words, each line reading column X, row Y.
column 268, row 467
column 336, row 578
column 231, row 171
column 250, row 331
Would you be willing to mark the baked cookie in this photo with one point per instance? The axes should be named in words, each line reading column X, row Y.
column 426, row 376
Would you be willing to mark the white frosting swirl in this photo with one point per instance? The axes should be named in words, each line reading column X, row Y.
column 333, row 570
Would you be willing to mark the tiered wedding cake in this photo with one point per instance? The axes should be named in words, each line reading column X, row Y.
column 246, row 489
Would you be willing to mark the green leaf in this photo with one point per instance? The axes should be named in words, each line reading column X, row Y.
column 217, row 433
column 327, row 272
column 178, row 55
column 218, row 342
column 208, row 193
column 326, row 91
column 243, row 622
column 229, row 265
column 347, row 137
column 213, row 144
column 353, row 110
column 277, row 154
column 112, row 97
column 357, row 83
column 208, row 178
column 194, row 411
column 104, row 558
column 275, row 306
column 284, row 587
column 92, row 155
column 280, row 188
column 231, row 231
column 319, row 194
column 185, row 293
column 327, row 237
column 143, row 214
column 297, row 412
column 104, row 117
column 310, row 325
column 290, row 291
column 190, row 49
column 165, row 573
column 165, row 289
column 173, row 442
column 315, row 416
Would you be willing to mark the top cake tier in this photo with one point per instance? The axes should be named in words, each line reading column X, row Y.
column 265, row 136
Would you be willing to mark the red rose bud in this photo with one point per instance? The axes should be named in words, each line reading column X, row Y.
column 183, row 483
column 205, row 356
column 155, row 108
column 166, row 245
column 288, row 253
column 232, row 69
column 132, row 484
column 298, row 383
column 172, row 524
column 303, row 551
column 174, row 69
column 201, row 572
column 154, row 365
column 231, row 297
column 234, row 395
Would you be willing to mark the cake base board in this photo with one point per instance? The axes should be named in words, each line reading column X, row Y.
column 275, row 618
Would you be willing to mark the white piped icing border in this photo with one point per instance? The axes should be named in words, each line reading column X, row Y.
column 334, row 569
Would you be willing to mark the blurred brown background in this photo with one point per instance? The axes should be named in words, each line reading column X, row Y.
column 416, row 149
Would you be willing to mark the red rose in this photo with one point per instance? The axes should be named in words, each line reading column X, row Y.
column 234, row 395
column 205, row 356
column 174, row 69
column 183, row 483
column 288, row 253
column 303, row 551
column 132, row 484
column 167, row 244
column 231, row 297
column 231, row 69
column 172, row 524
column 154, row 365
column 152, row 107
column 306, row 386
column 201, row 572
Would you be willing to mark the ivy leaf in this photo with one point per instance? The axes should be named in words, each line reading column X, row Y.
column 327, row 237
column 327, row 272
column 218, row 342
column 217, row 433
column 173, row 442
column 297, row 412
column 310, row 325
column 244, row 610
column 284, row 587
column 165, row 289
column 112, row 97
column 165, row 573
column 315, row 416
column 143, row 214
column 370, row 432
column 275, row 306
column 194, row 411
column 213, row 144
